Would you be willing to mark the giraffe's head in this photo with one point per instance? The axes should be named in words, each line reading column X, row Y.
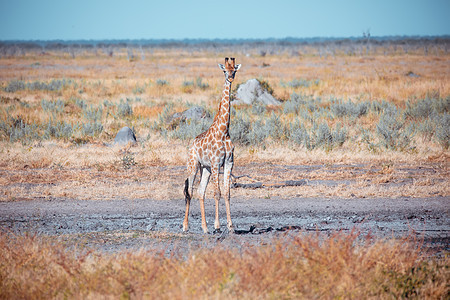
column 229, row 68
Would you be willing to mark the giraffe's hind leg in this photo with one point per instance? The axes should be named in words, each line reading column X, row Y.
column 188, row 192
column 201, row 193
column 215, row 182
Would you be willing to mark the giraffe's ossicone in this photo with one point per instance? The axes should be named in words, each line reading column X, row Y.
column 209, row 152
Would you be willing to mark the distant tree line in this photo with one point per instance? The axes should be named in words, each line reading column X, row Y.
column 364, row 45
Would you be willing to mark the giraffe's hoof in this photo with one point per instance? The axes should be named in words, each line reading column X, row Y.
column 217, row 230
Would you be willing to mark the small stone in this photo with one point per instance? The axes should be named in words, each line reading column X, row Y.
column 125, row 136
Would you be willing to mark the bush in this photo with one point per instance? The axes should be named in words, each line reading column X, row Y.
column 391, row 129
column 258, row 108
column 93, row 114
column 294, row 104
column 300, row 103
column 162, row 82
column 52, row 106
column 320, row 136
column 240, row 128
column 81, row 104
column 442, row 133
column 427, row 107
column 339, row 136
column 258, row 134
column 188, row 83
column 189, row 129
column 275, row 128
column 341, row 109
column 127, row 161
column 299, row 135
column 200, row 84
column 164, row 118
column 15, row 85
column 58, row 130
column 297, row 83
column 53, row 85
column 124, row 109
column 16, row 129
column 91, row 128
column 138, row 89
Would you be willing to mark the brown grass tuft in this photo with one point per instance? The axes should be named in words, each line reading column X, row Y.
column 300, row 266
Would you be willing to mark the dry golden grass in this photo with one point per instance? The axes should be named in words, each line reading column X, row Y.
column 154, row 168
column 156, row 171
column 373, row 77
column 300, row 266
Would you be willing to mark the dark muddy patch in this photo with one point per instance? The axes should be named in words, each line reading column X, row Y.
column 133, row 224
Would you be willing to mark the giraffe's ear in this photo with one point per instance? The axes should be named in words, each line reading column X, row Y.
column 236, row 67
column 222, row 67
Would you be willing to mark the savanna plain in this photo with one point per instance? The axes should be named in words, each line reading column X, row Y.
column 340, row 191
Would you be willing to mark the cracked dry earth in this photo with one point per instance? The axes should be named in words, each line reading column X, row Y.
column 143, row 207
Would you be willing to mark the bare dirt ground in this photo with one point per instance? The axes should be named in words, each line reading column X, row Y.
column 382, row 200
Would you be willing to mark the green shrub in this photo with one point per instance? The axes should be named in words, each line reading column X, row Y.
column 162, row 82
column 275, row 128
column 138, row 89
column 199, row 83
column 93, row 114
column 341, row 109
column 124, row 109
column 91, row 128
column 53, row 85
column 299, row 135
column 427, row 108
column 189, row 129
column 297, row 83
column 258, row 108
column 52, row 106
column 258, row 133
column 58, row 129
column 16, row 129
column 300, row 103
column 15, row 85
column 442, row 133
column 188, row 83
column 240, row 128
column 392, row 130
column 80, row 103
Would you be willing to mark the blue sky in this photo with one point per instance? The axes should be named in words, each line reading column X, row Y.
column 176, row 19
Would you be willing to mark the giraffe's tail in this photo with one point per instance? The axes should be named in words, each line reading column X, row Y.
column 186, row 191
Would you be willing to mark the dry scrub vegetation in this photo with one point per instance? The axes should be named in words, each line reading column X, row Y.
column 373, row 121
column 298, row 266
column 380, row 105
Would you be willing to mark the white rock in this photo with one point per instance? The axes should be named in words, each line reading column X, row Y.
column 252, row 92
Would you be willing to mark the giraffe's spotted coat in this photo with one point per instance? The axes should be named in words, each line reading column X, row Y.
column 212, row 150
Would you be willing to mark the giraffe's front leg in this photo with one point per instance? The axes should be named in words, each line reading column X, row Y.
column 227, row 168
column 215, row 179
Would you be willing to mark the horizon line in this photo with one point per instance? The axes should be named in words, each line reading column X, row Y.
column 444, row 36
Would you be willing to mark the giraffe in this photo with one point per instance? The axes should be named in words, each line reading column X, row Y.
column 210, row 151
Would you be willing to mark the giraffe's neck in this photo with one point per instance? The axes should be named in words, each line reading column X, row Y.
column 222, row 119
